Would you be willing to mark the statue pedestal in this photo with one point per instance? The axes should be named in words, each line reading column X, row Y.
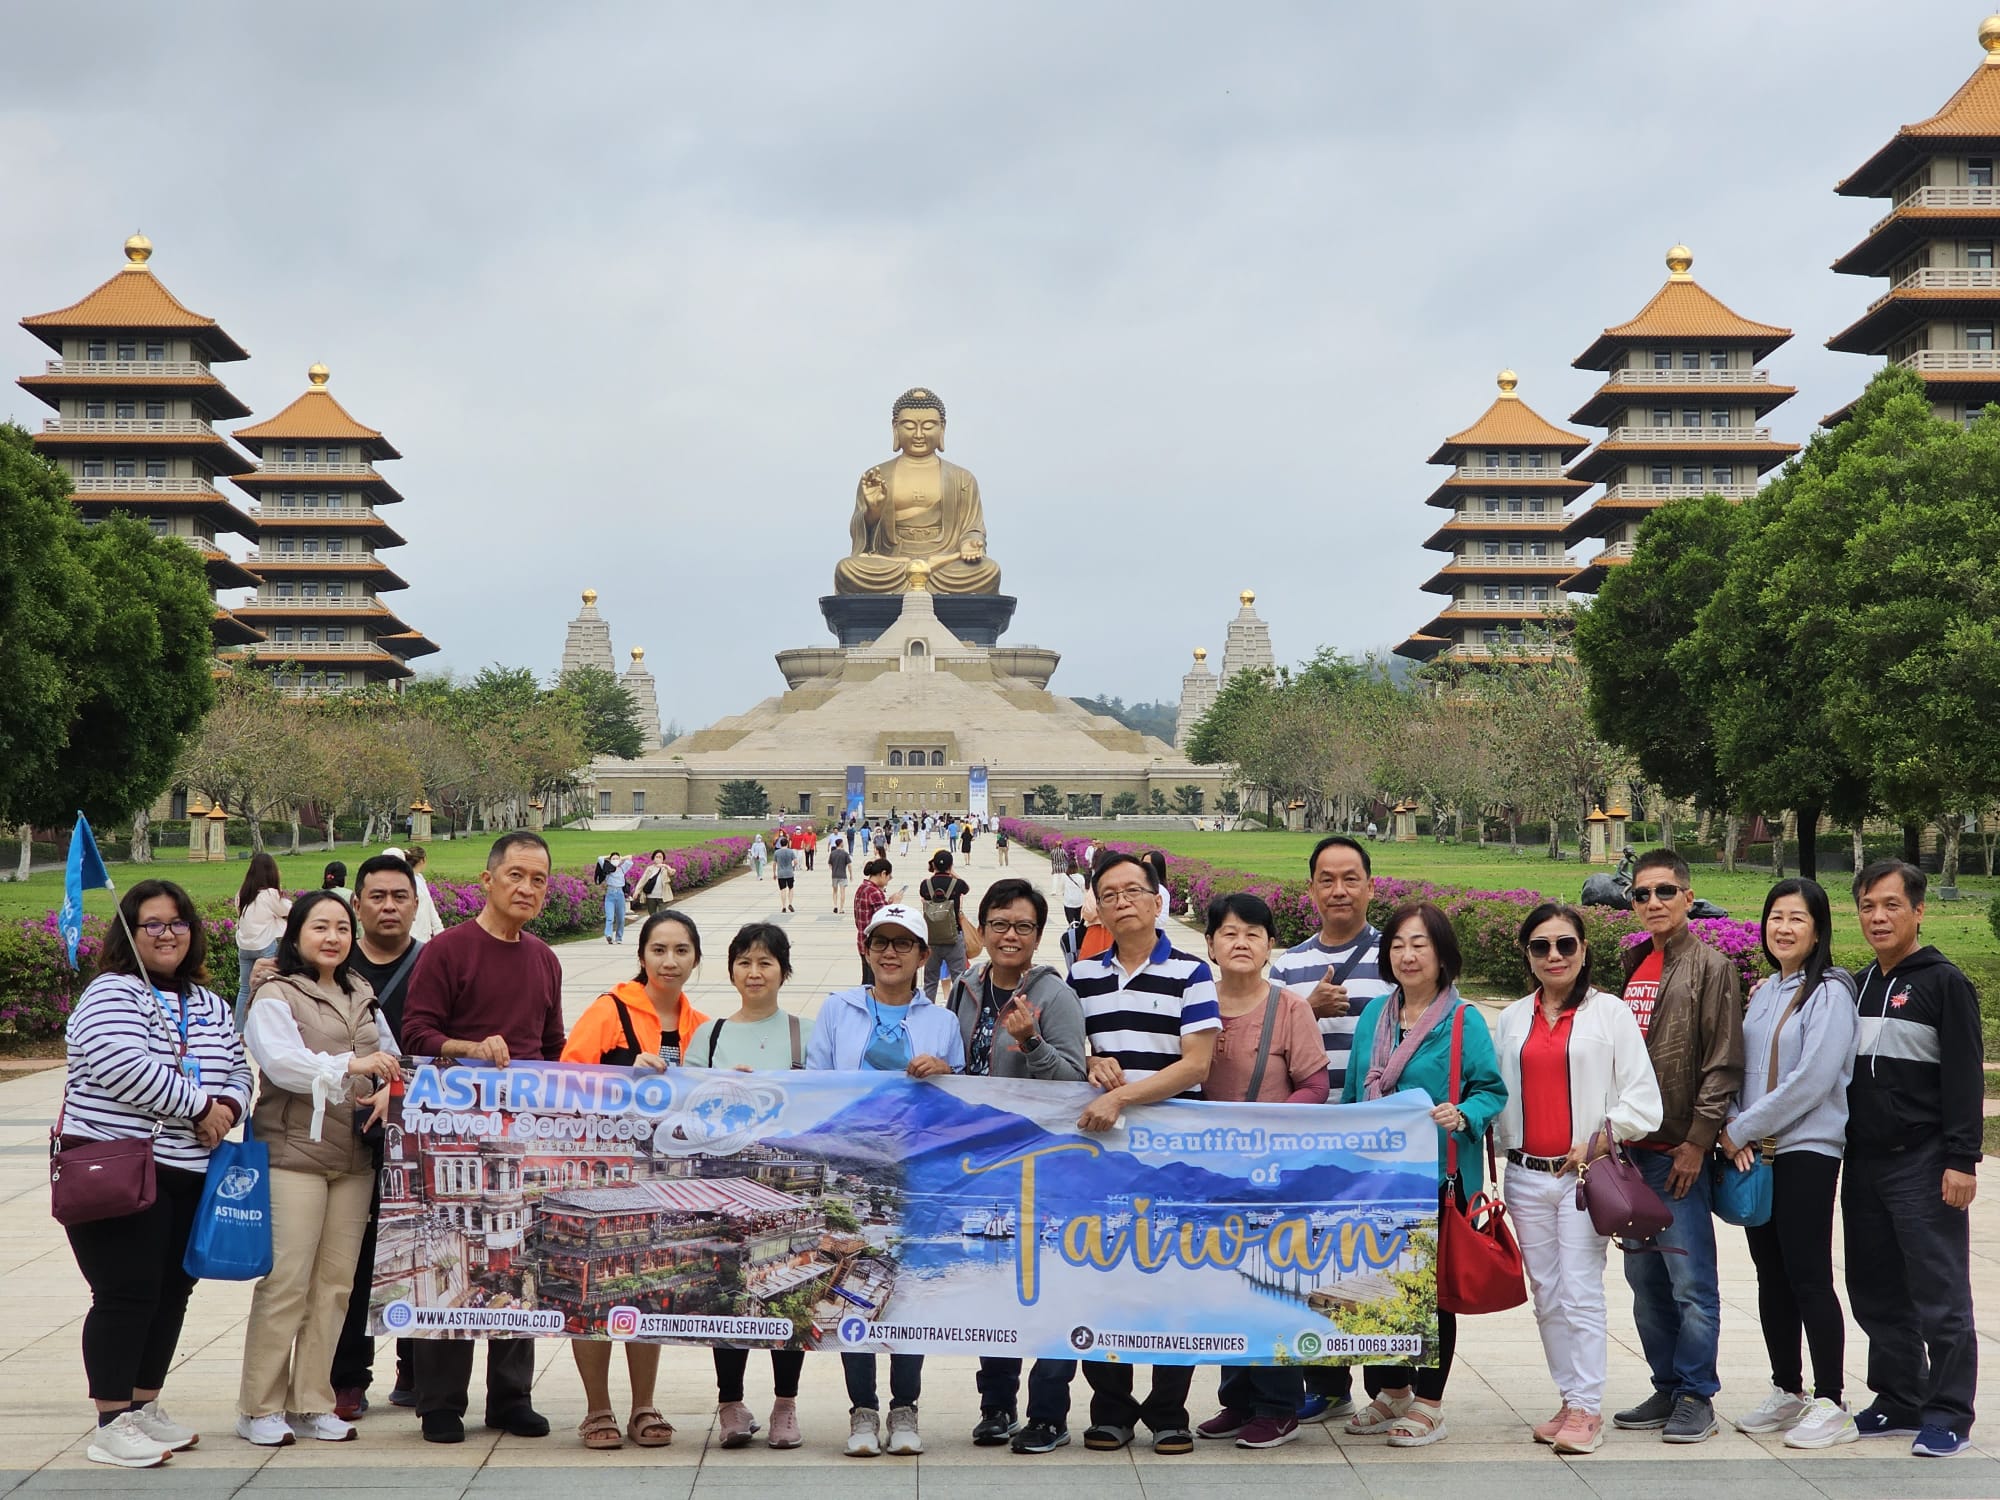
column 856, row 619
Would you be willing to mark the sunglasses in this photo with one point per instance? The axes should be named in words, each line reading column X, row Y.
column 881, row 944
column 1566, row 946
column 1642, row 894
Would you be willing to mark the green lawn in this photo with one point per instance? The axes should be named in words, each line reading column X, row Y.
column 1959, row 928
column 458, row 859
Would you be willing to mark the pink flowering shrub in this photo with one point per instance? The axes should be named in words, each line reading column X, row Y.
column 1486, row 923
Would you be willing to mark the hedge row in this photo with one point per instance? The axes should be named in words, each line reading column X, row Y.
column 37, row 986
column 1487, row 923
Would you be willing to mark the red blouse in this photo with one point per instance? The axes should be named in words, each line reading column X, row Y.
column 1545, row 1121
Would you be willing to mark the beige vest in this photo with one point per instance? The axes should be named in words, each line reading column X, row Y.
column 329, row 1022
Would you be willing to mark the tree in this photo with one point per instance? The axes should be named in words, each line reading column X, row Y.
column 1124, row 805
column 1188, row 799
column 605, row 710
column 1158, row 804
column 743, row 799
column 1047, row 799
column 239, row 758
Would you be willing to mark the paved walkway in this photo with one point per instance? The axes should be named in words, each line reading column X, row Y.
column 1499, row 1385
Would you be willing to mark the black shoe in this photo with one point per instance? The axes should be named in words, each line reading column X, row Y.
column 1174, row 1440
column 1040, row 1437
column 522, row 1422
column 994, row 1428
column 1103, row 1437
column 402, row 1395
column 443, row 1427
column 1652, row 1412
column 1693, row 1421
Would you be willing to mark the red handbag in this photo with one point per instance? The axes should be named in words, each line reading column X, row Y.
column 1479, row 1267
column 92, row 1180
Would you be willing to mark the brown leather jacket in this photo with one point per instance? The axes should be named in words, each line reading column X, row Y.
column 1696, row 1039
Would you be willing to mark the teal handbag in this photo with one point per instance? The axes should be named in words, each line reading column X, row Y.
column 1741, row 1198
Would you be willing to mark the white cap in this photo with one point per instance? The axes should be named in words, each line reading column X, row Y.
column 898, row 915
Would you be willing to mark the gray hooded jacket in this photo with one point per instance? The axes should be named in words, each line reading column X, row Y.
column 1059, row 1019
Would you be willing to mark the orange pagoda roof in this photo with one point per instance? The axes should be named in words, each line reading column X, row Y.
column 1971, row 114
column 1509, row 423
column 134, row 298
column 316, row 416
column 1682, row 309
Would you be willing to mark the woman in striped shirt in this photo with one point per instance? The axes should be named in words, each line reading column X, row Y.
column 152, row 1052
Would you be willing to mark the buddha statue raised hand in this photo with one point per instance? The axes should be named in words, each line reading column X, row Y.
column 917, row 506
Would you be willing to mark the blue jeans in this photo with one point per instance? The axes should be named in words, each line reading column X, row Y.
column 614, row 916
column 245, row 959
column 1675, row 1300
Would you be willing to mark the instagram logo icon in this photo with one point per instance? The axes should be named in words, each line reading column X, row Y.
column 622, row 1323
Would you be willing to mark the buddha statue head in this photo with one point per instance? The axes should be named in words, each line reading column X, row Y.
column 916, row 423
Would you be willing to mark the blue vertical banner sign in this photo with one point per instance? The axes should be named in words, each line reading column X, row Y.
column 84, row 871
column 857, row 789
column 975, row 791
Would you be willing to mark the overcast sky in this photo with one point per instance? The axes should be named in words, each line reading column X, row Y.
column 633, row 285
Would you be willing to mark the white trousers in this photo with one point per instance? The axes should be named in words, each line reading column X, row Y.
column 1565, row 1261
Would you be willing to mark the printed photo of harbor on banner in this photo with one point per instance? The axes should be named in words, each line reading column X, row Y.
column 870, row 1211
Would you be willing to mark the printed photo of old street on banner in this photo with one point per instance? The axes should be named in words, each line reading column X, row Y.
column 868, row 1211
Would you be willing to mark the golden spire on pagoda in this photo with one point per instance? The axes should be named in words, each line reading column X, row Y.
column 589, row 597
column 1201, row 653
column 638, row 655
column 1680, row 264
column 319, row 375
column 1989, row 38
column 1507, row 380
column 1248, row 597
column 138, row 250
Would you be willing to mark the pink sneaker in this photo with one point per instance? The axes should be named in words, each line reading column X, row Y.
column 1545, row 1432
column 737, row 1424
column 784, row 1423
column 1582, row 1433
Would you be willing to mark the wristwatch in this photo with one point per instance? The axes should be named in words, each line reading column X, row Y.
column 1032, row 1042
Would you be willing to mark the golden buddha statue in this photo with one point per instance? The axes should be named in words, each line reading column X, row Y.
column 917, row 508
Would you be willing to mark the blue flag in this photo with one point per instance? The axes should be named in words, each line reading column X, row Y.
column 84, row 872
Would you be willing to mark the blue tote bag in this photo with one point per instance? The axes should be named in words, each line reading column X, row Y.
column 231, row 1239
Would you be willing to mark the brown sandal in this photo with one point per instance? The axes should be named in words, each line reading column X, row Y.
column 649, row 1429
column 599, row 1429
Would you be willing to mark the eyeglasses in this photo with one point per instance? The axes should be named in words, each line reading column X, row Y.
column 900, row 944
column 1566, row 946
column 1642, row 894
column 1018, row 929
column 1125, row 895
column 158, row 930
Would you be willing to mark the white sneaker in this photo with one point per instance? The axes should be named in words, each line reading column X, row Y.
column 268, row 1431
column 323, row 1425
column 903, row 1439
column 864, row 1433
column 152, row 1419
column 1781, row 1409
column 122, row 1442
column 1826, row 1424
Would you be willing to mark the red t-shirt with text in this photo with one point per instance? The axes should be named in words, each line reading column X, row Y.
column 1642, row 990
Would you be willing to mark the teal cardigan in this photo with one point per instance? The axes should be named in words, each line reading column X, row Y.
column 1484, row 1094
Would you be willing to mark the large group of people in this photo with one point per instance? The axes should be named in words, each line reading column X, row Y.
column 1866, row 1089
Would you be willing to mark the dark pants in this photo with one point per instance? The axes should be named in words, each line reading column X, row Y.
column 1428, row 1383
column 1112, row 1403
column 1048, row 1388
column 444, row 1375
column 354, row 1355
column 138, row 1291
column 1909, row 1281
column 906, row 1380
column 1793, row 1253
column 730, row 1364
column 1262, row 1390
column 1335, row 1382
column 809, row 858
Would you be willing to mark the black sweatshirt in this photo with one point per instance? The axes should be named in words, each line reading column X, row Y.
column 1919, row 1072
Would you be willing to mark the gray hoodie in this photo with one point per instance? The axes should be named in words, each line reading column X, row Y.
column 1059, row 1019
column 1807, row 1111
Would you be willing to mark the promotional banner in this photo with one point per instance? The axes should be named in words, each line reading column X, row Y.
column 857, row 790
column 975, row 791
column 869, row 1211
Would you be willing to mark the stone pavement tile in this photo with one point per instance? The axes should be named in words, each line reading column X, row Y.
column 1897, row 1476
column 852, row 1479
column 1029, row 1475
column 1421, row 1477
column 99, row 1479
column 586, row 1482
column 404, row 1483
column 1618, row 1479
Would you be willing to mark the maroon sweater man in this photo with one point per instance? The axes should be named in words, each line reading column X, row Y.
column 487, row 991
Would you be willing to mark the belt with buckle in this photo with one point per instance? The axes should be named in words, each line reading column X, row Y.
column 1553, row 1165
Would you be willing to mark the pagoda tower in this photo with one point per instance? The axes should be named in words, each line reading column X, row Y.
column 588, row 641
column 1935, row 247
column 137, row 399
column 1198, row 690
column 1682, row 396
column 1248, row 643
column 645, row 698
column 320, row 576
column 1503, row 540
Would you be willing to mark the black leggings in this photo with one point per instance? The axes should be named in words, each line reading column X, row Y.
column 1429, row 1383
column 138, row 1291
column 731, row 1363
column 1793, row 1252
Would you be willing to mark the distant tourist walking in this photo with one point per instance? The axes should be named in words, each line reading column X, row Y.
column 869, row 897
column 334, row 878
column 785, row 863
column 809, row 843
column 261, row 909
column 761, row 1037
column 1573, row 1061
column 942, row 893
column 656, row 887
column 758, row 854
column 1914, row 1119
column 1799, row 1035
column 153, row 1055
column 428, row 924
column 838, row 862
column 614, row 868
column 1000, row 844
